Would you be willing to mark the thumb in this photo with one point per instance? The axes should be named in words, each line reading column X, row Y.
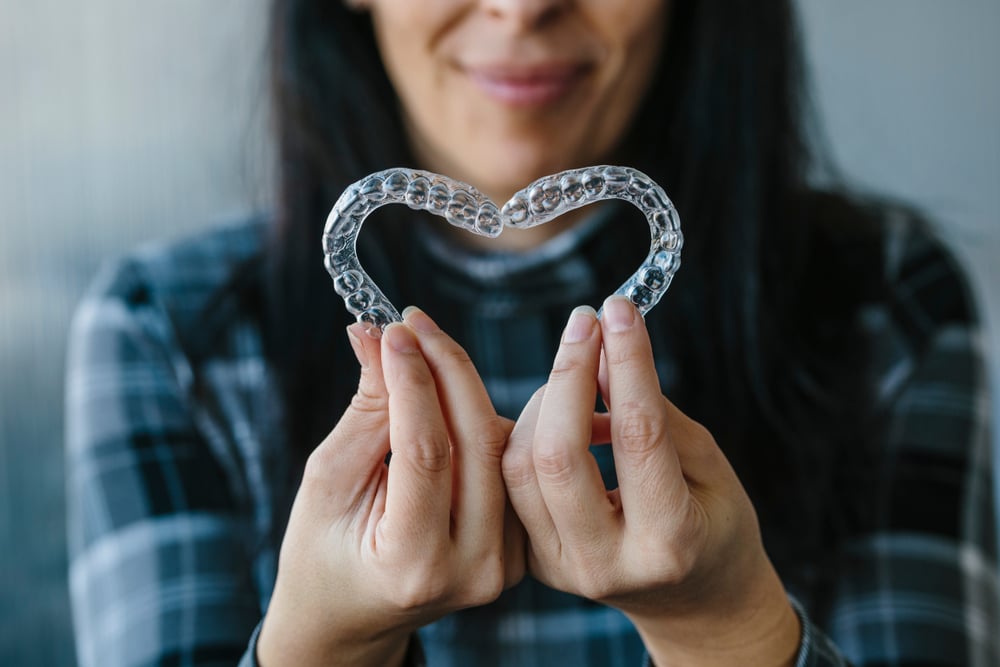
column 371, row 395
column 360, row 440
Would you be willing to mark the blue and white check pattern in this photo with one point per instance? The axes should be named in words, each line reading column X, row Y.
column 176, row 457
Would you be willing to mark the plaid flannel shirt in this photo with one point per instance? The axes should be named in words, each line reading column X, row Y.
column 175, row 461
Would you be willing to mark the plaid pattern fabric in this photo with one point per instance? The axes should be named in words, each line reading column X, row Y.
column 176, row 454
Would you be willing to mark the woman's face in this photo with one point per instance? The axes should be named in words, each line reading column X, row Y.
column 500, row 92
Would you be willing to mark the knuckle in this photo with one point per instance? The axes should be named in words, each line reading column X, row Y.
column 674, row 557
column 422, row 587
column 703, row 439
column 700, row 430
column 673, row 566
column 514, row 572
column 491, row 438
column 518, row 467
column 618, row 355
column 486, row 584
column 554, row 463
column 443, row 351
column 594, row 585
column 453, row 353
column 693, row 430
column 638, row 430
column 414, row 376
column 429, row 452
column 566, row 369
column 317, row 467
column 596, row 568
column 366, row 401
column 698, row 444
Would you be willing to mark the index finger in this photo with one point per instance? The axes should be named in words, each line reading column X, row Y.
column 649, row 471
column 418, row 494
column 478, row 435
column 568, row 476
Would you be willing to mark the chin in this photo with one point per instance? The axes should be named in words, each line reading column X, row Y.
column 509, row 171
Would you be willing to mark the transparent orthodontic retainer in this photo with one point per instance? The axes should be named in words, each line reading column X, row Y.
column 464, row 206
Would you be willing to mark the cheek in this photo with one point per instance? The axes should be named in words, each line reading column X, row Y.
column 639, row 34
column 398, row 34
column 407, row 34
column 643, row 43
column 634, row 42
column 642, row 55
column 633, row 32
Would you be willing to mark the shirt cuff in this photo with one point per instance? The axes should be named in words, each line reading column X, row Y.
column 249, row 658
column 815, row 648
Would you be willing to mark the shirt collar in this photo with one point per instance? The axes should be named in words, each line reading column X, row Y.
column 502, row 266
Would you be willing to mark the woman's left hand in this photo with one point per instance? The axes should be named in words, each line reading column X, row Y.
column 676, row 546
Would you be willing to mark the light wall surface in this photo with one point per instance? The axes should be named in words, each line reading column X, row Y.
column 122, row 122
column 909, row 96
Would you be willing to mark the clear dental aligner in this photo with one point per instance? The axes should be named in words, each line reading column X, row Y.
column 464, row 206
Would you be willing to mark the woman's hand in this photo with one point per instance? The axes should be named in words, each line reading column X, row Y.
column 676, row 546
column 374, row 551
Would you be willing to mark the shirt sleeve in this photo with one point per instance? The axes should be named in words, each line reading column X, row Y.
column 159, row 565
column 921, row 589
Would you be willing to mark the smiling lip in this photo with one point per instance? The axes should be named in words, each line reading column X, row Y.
column 526, row 85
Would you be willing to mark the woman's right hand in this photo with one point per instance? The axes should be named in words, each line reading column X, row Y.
column 374, row 551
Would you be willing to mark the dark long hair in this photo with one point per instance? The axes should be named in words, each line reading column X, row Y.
column 765, row 361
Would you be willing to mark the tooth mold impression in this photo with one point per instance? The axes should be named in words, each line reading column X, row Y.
column 464, row 206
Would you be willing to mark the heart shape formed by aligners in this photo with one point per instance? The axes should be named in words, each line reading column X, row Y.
column 464, row 206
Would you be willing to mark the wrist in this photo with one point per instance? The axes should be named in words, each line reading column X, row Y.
column 281, row 644
column 757, row 627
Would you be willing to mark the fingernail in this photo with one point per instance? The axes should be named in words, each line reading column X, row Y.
column 580, row 325
column 400, row 338
column 619, row 314
column 419, row 320
column 354, row 333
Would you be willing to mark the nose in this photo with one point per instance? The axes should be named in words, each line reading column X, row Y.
column 524, row 14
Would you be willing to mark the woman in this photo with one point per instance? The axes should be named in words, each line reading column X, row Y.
column 814, row 487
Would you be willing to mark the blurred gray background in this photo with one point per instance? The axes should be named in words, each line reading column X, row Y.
column 122, row 122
